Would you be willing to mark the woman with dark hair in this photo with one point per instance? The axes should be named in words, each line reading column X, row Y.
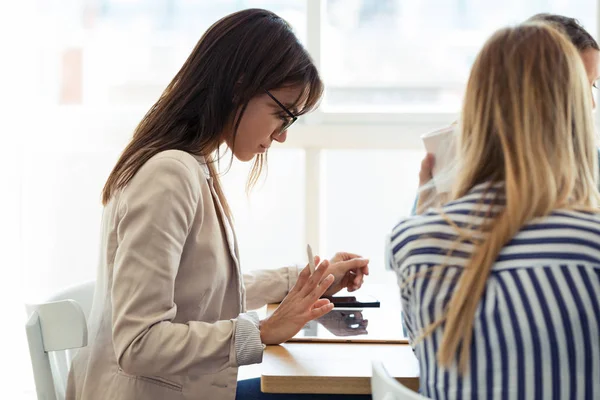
column 170, row 318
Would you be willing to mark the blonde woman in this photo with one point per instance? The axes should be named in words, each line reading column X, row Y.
column 590, row 55
column 501, row 287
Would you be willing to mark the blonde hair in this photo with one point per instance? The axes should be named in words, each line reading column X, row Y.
column 526, row 122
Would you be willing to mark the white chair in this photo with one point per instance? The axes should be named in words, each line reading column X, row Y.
column 384, row 387
column 54, row 329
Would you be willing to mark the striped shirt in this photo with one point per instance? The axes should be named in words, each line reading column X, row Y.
column 536, row 332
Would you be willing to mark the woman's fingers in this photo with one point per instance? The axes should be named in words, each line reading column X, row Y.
column 304, row 276
column 320, row 289
column 315, row 279
column 358, row 280
column 318, row 312
column 320, row 303
column 344, row 256
column 301, row 305
column 426, row 172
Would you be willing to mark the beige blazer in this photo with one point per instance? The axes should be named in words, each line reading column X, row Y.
column 169, row 318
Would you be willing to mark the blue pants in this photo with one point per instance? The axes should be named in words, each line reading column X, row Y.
column 250, row 390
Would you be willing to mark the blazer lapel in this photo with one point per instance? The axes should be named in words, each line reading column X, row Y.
column 229, row 231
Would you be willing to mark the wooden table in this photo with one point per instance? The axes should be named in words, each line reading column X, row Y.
column 336, row 368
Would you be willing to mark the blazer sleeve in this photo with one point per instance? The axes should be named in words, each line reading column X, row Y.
column 269, row 285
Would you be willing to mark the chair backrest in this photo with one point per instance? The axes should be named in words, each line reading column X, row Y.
column 82, row 293
column 55, row 329
column 384, row 387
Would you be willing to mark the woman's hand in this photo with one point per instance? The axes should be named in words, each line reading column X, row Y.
column 348, row 271
column 426, row 172
column 429, row 197
column 302, row 304
column 426, row 196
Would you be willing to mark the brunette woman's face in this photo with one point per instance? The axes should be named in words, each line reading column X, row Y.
column 591, row 58
column 262, row 123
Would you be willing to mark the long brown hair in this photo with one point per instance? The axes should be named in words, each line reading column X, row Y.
column 236, row 59
column 526, row 122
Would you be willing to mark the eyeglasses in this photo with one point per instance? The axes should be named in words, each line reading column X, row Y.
column 286, row 122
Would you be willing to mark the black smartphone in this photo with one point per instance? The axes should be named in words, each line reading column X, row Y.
column 361, row 300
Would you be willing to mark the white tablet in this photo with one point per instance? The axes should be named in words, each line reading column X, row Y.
column 356, row 325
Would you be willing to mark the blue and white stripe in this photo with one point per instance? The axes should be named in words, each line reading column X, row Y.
column 537, row 327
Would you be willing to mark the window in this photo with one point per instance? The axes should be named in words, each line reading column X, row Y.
column 365, row 194
column 393, row 56
column 415, row 56
column 122, row 53
column 393, row 69
column 270, row 221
